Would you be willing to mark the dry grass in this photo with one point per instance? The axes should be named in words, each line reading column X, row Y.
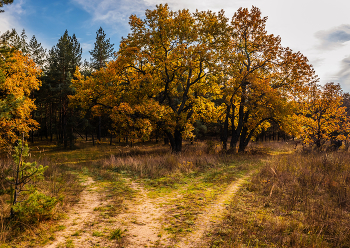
column 296, row 200
column 58, row 182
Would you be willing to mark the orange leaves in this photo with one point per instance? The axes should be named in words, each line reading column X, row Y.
column 323, row 117
column 21, row 75
column 19, row 81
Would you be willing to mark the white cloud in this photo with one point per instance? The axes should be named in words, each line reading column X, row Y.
column 11, row 17
column 217, row 5
column 113, row 11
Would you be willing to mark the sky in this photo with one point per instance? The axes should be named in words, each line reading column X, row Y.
column 318, row 29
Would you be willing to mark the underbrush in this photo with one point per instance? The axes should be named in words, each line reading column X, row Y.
column 296, row 200
column 41, row 203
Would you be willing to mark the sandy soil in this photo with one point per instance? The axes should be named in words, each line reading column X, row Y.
column 78, row 217
column 142, row 221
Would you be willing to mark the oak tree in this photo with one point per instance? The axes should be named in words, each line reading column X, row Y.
column 324, row 117
column 261, row 79
column 161, row 75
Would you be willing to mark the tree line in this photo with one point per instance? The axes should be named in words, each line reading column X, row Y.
column 176, row 75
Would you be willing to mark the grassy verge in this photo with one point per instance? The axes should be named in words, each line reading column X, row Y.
column 294, row 201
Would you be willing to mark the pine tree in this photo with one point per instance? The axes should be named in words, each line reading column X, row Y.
column 37, row 52
column 102, row 51
column 62, row 62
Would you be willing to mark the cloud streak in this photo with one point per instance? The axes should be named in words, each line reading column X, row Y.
column 333, row 38
column 344, row 74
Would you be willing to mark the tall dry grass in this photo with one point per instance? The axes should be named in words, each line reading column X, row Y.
column 162, row 162
column 297, row 200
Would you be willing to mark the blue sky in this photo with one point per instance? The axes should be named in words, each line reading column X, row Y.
column 319, row 29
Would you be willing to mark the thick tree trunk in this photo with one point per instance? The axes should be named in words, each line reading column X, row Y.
column 178, row 141
column 242, row 118
column 234, row 139
column 224, row 133
column 99, row 129
column 243, row 140
column 175, row 140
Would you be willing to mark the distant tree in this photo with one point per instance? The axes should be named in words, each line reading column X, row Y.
column 324, row 116
column 102, row 51
column 13, row 39
column 346, row 103
column 86, row 69
column 37, row 52
column 2, row 2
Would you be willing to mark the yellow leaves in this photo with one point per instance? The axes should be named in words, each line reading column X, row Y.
column 20, row 79
column 323, row 117
column 21, row 75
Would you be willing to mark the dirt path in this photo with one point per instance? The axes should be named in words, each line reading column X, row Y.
column 142, row 221
column 78, row 217
column 211, row 215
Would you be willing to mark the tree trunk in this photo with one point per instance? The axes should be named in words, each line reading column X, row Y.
column 175, row 140
column 243, row 140
column 224, row 133
column 99, row 129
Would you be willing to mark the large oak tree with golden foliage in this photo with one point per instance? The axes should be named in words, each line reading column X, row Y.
column 162, row 74
column 176, row 67
column 260, row 80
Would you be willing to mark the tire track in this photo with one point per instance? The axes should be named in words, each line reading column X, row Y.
column 212, row 214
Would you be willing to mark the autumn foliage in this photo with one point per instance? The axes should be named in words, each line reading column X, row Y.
column 18, row 78
column 177, row 67
column 323, row 117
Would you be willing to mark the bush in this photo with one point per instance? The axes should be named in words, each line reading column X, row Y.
column 37, row 207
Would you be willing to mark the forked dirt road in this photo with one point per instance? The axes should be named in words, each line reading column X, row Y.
column 141, row 219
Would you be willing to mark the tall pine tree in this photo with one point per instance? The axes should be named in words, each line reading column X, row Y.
column 102, row 51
